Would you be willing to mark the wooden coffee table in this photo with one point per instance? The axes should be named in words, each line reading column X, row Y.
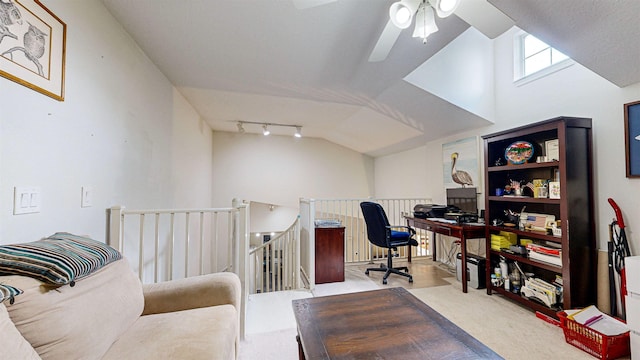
column 380, row 324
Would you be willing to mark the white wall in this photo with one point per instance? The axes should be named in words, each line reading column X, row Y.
column 280, row 170
column 122, row 129
column 574, row 91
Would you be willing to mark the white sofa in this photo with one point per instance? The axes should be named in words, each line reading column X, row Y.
column 111, row 315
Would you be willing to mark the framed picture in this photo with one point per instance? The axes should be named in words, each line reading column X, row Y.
column 32, row 46
column 554, row 190
column 461, row 163
column 552, row 150
column 632, row 138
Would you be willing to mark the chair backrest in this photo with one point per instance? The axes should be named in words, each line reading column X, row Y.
column 377, row 222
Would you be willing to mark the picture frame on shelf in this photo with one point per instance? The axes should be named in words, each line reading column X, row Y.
column 632, row 138
column 554, row 190
column 33, row 47
column 552, row 150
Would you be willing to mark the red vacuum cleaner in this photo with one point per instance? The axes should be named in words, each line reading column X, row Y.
column 618, row 249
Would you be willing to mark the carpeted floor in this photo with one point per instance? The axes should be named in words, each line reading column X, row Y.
column 509, row 329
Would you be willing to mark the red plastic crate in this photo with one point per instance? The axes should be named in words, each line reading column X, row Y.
column 593, row 342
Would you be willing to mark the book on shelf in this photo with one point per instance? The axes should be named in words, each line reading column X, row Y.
column 551, row 259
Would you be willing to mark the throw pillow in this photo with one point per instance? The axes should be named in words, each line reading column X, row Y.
column 59, row 259
column 8, row 292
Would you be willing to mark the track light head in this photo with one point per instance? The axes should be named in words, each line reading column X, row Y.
column 240, row 128
column 265, row 130
column 298, row 133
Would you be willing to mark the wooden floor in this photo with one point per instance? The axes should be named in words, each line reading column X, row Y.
column 426, row 273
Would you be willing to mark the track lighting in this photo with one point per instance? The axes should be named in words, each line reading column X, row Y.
column 265, row 127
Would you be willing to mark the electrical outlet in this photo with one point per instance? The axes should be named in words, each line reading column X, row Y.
column 87, row 196
column 26, row 200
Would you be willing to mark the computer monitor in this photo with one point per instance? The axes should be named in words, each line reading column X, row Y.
column 464, row 198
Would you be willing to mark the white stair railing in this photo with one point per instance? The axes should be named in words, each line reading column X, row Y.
column 275, row 265
column 166, row 244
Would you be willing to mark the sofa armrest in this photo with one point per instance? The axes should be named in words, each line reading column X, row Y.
column 193, row 292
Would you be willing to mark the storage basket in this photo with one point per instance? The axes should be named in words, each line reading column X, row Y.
column 593, row 342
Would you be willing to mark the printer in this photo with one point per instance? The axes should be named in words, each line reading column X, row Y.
column 423, row 211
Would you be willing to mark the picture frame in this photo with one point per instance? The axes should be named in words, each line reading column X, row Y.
column 33, row 47
column 554, row 190
column 632, row 138
column 552, row 150
column 467, row 161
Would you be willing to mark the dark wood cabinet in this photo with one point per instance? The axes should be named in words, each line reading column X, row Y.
column 329, row 254
column 571, row 141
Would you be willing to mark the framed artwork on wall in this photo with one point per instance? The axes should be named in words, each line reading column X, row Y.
column 32, row 46
column 632, row 138
column 461, row 163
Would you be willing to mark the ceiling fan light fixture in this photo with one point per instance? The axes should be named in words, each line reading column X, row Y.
column 401, row 13
column 425, row 23
column 444, row 8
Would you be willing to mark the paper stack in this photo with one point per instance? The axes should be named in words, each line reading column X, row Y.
column 545, row 253
column 595, row 319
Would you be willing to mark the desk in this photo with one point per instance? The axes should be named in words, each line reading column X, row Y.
column 460, row 231
column 380, row 324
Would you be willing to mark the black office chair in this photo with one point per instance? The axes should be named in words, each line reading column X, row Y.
column 382, row 234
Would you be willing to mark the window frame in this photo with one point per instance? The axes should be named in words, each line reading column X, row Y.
column 519, row 78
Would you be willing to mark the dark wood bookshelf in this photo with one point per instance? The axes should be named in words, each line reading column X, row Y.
column 574, row 209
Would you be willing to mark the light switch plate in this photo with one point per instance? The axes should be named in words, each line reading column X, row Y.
column 87, row 196
column 26, row 200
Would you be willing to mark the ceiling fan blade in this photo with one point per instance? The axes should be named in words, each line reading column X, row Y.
column 306, row 4
column 485, row 17
column 385, row 42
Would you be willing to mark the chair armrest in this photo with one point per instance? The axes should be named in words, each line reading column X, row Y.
column 193, row 292
column 408, row 229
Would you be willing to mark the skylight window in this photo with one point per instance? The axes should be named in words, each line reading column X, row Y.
column 534, row 59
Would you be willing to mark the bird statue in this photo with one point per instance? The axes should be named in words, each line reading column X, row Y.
column 461, row 177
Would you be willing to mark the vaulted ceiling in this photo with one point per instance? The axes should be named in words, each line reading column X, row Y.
column 269, row 61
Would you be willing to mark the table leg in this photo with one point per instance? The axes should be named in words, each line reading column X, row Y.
column 300, row 349
column 463, row 267
column 433, row 242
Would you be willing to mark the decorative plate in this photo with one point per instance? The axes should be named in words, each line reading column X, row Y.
column 519, row 152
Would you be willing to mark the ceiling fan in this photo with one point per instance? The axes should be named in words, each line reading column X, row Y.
column 401, row 14
column 478, row 13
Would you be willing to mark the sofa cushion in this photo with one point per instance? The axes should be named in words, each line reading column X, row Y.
column 8, row 292
column 79, row 322
column 12, row 343
column 59, row 259
column 202, row 333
